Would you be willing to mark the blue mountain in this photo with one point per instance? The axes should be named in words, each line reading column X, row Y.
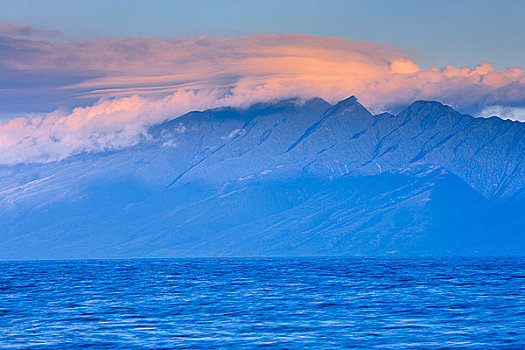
column 286, row 178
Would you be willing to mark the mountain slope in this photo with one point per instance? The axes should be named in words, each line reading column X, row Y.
column 286, row 178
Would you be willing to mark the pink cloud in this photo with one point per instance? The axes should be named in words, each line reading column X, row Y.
column 142, row 81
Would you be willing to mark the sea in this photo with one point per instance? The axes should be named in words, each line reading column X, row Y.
column 267, row 303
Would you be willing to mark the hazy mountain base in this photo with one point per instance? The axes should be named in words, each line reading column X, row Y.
column 288, row 178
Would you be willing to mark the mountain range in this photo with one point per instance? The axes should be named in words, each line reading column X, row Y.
column 283, row 178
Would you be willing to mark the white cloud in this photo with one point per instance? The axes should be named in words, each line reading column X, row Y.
column 512, row 113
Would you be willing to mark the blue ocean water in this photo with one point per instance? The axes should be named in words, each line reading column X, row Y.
column 282, row 303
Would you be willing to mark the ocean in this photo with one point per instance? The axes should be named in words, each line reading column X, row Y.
column 275, row 303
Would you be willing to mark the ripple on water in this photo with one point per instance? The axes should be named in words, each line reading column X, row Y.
column 380, row 303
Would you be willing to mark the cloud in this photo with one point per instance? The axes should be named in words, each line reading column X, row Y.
column 17, row 30
column 107, row 125
column 126, row 84
column 404, row 66
column 512, row 113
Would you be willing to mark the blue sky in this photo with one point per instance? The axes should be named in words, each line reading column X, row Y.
column 440, row 32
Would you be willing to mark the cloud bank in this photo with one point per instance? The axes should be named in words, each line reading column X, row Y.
column 126, row 84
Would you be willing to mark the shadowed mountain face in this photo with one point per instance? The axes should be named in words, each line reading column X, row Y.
column 287, row 178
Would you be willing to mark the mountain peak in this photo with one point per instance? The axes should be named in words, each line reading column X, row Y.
column 428, row 113
column 348, row 101
column 429, row 106
column 348, row 104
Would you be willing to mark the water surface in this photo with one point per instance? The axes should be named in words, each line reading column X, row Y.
column 282, row 303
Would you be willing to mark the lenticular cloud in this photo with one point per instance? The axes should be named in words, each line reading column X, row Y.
column 131, row 83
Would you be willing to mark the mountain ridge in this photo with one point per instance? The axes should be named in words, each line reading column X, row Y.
column 208, row 183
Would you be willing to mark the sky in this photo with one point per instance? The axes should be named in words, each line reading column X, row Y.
column 440, row 32
column 71, row 70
